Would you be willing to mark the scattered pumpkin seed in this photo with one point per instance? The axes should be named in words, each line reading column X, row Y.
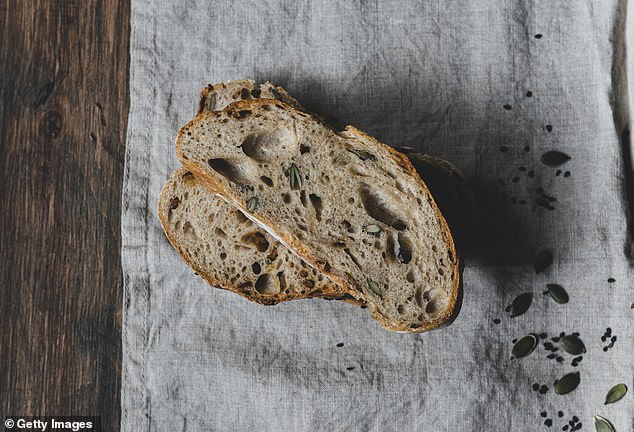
column 558, row 293
column 602, row 424
column 616, row 393
column 376, row 289
column 521, row 303
column 364, row 156
column 572, row 345
column 373, row 229
column 524, row 346
column 211, row 106
column 294, row 176
column 252, row 204
column 543, row 260
column 554, row 158
column 567, row 383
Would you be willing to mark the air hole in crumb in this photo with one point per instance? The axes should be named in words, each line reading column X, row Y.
column 263, row 285
column 352, row 257
column 281, row 280
column 401, row 309
column 219, row 232
column 304, row 149
column 302, row 198
column 227, row 169
column 411, row 276
column 432, row 307
column 286, row 198
column 223, row 255
column 256, row 239
column 302, row 227
column 405, row 249
column 434, row 248
column 441, row 272
column 378, row 207
column 315, row 200
column 350, row 200
column 267, row 181
column 256, row 268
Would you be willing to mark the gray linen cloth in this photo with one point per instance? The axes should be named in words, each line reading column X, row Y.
column 490, row 86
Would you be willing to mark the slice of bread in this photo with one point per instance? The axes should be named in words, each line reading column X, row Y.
column 229, row 251
column 215, row 97
column 348, row 205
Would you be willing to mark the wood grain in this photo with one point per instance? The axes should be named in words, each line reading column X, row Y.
column 63, row 113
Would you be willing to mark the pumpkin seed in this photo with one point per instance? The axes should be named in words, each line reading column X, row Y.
column 373, row 229
column 524, row 346
column 558, row 293
column 252, row 204
column 276, row 93
column 616, row 393
column 521, row 303
column 364, row 156
column 212, row 102
column 602, row 424
column 572, row 345
column 554, row 158
column 567, row 383
column 294, row 176
column 376, row 289
column 543, row 260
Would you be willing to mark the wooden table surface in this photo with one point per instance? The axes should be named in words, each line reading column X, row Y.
column 63, row 114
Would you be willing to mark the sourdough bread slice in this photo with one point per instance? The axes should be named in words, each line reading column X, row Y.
column 348, row 205
column 215, row 97
column 229, row 251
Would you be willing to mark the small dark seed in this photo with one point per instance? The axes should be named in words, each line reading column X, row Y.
column 543, row 390
column 543, row 413
column 548, row 422
column 603, row 338
column 543, row 335
column 554, row 339
column 567, row 174
column 605, row 348
column 529, row 94
column 551, row 356
column 575, row 419
column 575, row 334
column 560, row 359
column 340, row 344
column 496, row 321
column 565, row 428
column 507, row 107
column 535, row 386
column 558, row 172
column 538, row 36
column 613, row 339
column 610, row 280
column 350, row 368
column 560, row 414
column 571, row 423
column 549, row 128
column 608, row 330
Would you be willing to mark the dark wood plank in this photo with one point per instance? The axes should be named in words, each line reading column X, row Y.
column 63, row 114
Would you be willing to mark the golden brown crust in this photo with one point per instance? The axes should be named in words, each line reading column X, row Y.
column 296, row 246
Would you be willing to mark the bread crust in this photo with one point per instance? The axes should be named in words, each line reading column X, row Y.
column 297, row 247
